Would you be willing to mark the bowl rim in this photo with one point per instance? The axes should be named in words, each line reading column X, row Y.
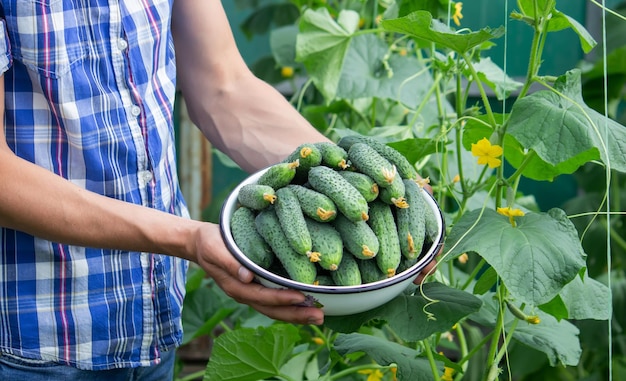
column 230, row 204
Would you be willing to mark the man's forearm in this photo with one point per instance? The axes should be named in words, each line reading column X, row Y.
column 241, row 115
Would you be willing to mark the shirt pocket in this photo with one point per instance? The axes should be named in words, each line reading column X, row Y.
column 48, row 36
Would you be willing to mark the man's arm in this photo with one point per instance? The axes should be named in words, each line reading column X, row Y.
column 45, row 205
column 241, row 115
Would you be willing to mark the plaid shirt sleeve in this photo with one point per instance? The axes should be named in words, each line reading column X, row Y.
column 89, row 94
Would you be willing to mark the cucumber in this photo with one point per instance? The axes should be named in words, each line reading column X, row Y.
column 370, row 271
column 248, row 239
column 358, row 238
column 314, row 204
column 297, row 266
column 279, row 175
column 324, row 280
column 307, row 155
column 256, row 196
column 394, row 194
column 333, row 156
column 348, row 273
column 411, row 221
column 432, row 226
column 292, row 221
column 363, row 183
column 404, row 167
column 346, row 197
column 327, row 244
column 384, row 226
column 367, row 160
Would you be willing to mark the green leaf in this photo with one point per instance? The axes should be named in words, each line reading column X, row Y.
column 563, row 129
column 421, row 24
column 260, row 21
column 535, row 259
column 494, row 77
column 486, row 281
column 247, row 354
column 283, row 45
column 451, row 305
column 561, row 21
column 557, row 339
column 587, row 298
column 415, row 149
column 202, row 311
column 372, row 74
column 322, row 45
column 385, row 352
column 556, row 307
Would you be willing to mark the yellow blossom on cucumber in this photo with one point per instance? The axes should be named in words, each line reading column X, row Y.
column 456, row 179
column 511, row 213
column 463, row 258
column 533, row 319
column 487, row 153
column 372, row 374
column 447, row 374
column 286, row 71
column 457, row 16
column 318, row 340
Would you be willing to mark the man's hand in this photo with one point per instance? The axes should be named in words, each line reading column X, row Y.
column 213, row 256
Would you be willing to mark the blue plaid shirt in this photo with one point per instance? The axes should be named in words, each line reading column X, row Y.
column 89, row 96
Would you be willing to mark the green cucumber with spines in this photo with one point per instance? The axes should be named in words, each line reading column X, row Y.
column 248, row 239
column 297, row 266
column 292, row 220
column 395, row 193
column 308, row 155
column 432, row 224
column 411, row 221
column 367, row 160
column 347, row 198
column 324, row 280
column 314, row 204
column 370, row 272
column 363, row 183
column 358, row 237
column 279, row 175
column 327, row 244
column 333, row 156
column 404, row 167
column 384, row 226
column 256, row 196
column 348, row 273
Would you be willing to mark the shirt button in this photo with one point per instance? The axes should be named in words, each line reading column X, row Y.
column 145, row 176
column 135, row 110
column 122, row 44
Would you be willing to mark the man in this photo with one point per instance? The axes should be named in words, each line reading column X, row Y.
column 89, row 190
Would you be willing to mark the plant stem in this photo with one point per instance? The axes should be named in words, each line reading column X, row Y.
column 481, row 89
column 497, row 331
column 522, row 166
column 431, row 359
column 471, row 277
column 192, row 376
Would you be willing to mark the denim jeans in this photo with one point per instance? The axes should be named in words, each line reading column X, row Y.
column 14, row 369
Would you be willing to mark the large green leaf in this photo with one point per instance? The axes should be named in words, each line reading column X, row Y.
column 451, row 305
column 369, row 73
column 203, row 310
column 557, row 339
column 247, row 354
column 421, row 24
column 283, row 45
column 494, row 77
column 534, row 259
column 564, row 129
column 587, row 298
column 385, row 352
column 322, row 44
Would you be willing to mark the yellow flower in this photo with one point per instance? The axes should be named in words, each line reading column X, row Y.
column 511, row 213
column 394, row 372
column 373, row 374
column 463, row 258
column 487, row 153
column 286, row 71
column 456, row 179
column 533, row 319
column 361, row 22
column 457, row 16
column 447, row 374
column 402, row 52
column 318, row 340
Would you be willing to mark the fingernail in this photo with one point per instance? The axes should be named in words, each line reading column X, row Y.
column 315, row 321
column 244, row 274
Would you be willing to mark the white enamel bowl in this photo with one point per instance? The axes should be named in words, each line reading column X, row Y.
column 335, row 300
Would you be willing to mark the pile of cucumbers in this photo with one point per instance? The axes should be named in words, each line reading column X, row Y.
column 339, row 214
